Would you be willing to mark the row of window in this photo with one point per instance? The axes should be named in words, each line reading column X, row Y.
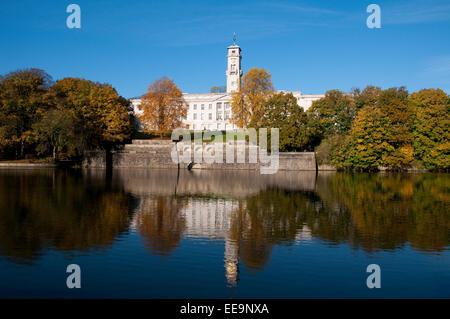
column 202, row 106
column 219, row 116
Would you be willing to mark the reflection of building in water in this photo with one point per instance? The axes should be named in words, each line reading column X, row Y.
column 304, row 234
column 208, row 218
column 200, row 217
column 213, row 205
column 231, row 261
column 247, row 236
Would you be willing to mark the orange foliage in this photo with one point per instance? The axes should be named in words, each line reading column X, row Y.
column 163, row 106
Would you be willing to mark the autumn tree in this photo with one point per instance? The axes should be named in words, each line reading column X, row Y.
column 101, row 116
column 282, row 111
column 39, row 117
column 431, row 128
column 247, row 103
column 218, row 89
column 380, row 135
column 363, row 148
column 163, row 106
column 22, row 103
column 331, row 118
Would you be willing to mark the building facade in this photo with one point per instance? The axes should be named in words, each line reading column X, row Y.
column 212, row 111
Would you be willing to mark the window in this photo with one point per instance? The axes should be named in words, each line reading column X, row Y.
column 203, row 106
column 227, row 106
column 195, row 106
column 227, row 115
column 210, row 106
column 193, row 127
column 233, row 67
column 219, row 116
column 201, row 116
column 195, row 116
column 188, row 107
column 219, row 106
column 210, row 116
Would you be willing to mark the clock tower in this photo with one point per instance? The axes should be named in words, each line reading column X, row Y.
column 234, row 71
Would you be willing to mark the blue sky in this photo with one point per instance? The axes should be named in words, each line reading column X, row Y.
column 312, row 46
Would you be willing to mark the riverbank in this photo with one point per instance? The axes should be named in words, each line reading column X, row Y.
column 27, row 164
column 36, row 163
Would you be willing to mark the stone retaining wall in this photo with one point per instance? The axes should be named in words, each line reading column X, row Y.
column 157, row 154
column 94, row 159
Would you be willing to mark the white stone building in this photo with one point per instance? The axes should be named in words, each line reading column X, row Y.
column 212, row 111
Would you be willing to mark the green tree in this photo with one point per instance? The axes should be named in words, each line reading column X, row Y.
column 56, row 133
column 368, row 96
column 282, row 111
column 431, row 128
column 329, row 149
column 332, row 114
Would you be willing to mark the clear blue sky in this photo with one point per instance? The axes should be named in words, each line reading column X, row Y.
column 312, row 46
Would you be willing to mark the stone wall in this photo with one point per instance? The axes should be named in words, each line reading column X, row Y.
column 300, row 161
column 157, row 154
column 94, row 159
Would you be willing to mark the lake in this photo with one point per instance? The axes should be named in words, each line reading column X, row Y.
column 138, row 233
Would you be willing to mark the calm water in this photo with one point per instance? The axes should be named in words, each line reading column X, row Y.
column 151, row 234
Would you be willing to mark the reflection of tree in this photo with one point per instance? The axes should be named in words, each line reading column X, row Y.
column 264, row 220
column 365, row 210
column 55, row 209
column 161, row 223
column 386, row 211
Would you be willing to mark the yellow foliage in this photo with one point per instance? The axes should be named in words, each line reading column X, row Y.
column 163, row 106
column 247, row 104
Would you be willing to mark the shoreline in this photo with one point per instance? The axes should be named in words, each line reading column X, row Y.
column 28, row 165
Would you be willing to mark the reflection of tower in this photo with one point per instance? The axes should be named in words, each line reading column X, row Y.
column 231, row 261
column 212, row 219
